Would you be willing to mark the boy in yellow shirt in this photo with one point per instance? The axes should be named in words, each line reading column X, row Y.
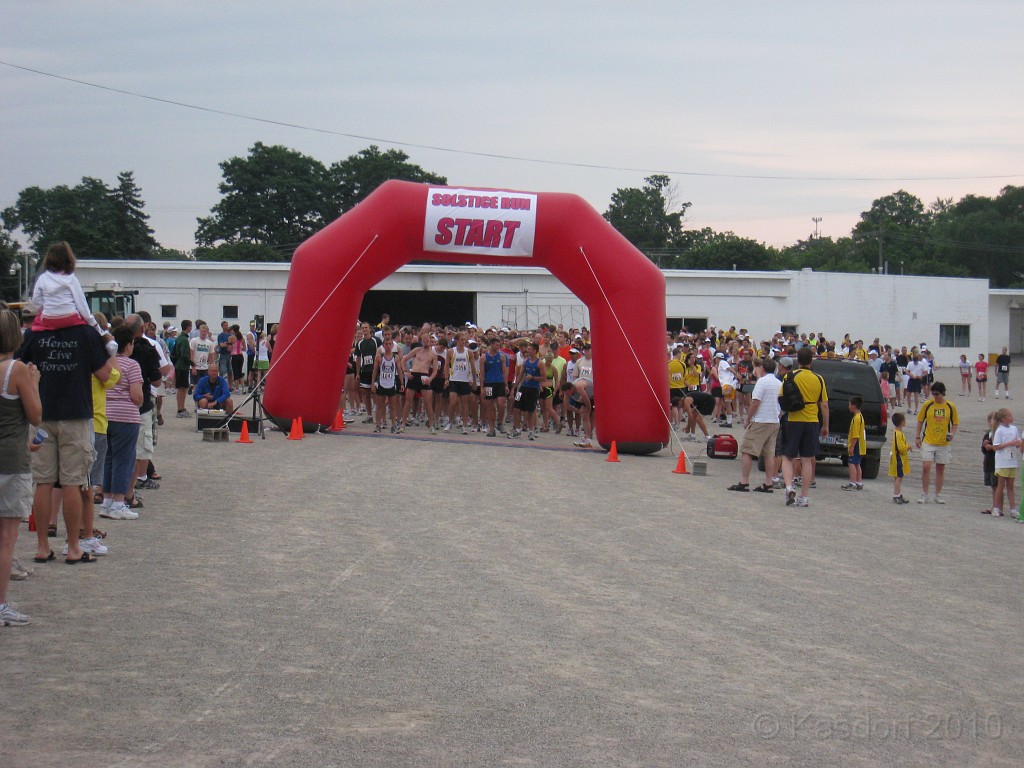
column 856, row 445
column 899, row 459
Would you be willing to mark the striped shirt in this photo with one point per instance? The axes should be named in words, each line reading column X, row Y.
column 119, row 401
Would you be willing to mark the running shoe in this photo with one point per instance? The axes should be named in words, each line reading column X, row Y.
column 12, row 618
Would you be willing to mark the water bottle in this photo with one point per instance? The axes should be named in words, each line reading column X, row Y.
column 40, row 435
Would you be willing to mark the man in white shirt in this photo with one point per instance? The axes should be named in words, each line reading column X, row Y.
column 918, row 371
column 762, row 427
column 727, row 378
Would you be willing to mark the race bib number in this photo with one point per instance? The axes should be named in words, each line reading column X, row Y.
column 488, row 391
column 367, row 359
column 519, row 394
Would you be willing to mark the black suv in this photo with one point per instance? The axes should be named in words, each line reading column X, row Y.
column 843, row 379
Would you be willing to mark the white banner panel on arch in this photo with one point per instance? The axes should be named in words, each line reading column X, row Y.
column 480, row 222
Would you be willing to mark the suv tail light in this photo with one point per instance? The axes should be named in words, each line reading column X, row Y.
column 885, row 414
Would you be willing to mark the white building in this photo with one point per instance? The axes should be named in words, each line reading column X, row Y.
column 953, row 316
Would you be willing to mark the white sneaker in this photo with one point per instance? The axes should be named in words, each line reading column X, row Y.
column 922, row 499
column 997, row 512
column 939, row 499
column 120, row 513
column 801, row 501
column 93, row 545
column 12, row 618
column 18, row 572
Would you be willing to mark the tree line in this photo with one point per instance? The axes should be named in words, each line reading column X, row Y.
column 275, row 197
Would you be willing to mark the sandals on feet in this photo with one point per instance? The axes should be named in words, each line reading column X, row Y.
column 741, row 487
column 763, row 489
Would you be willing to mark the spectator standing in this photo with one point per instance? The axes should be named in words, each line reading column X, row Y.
column 803, row 429
column 224, row 339
column 1006, row 444
column 965, row 376
column 937, row 424
column 124, row 421
column 981, row 376
column 762, row 426
column 66, row 359
column 1003, row 373
column 182, row 366
column 19, row 407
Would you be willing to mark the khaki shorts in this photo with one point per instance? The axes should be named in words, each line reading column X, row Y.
column 65, row 454
column 759, row 439
column 144, row 445
column 940, row 454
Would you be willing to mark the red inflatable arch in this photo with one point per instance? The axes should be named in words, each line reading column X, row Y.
column 402, row 221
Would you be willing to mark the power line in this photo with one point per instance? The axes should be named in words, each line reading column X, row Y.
column 494, row 155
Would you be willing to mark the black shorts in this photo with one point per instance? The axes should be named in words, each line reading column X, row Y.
column 437, row 386
column 546, row 393
column 494, row 391
column 387, row 391
column 676, row 396
column 801, row 440
column 460, row 388
column 914, row 385
column 526, row 399
column 716, row 392
column 415, row 382
column 181, row 378
column 703, row 402
column 366, row 377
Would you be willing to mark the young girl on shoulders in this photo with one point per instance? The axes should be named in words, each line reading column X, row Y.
column 58, row 294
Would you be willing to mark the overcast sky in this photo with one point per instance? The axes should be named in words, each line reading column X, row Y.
column 855, row 99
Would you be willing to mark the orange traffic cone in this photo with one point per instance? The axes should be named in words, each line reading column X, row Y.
column 339, row 422
column 296, row 433
column 32, row 520
column 244, row 438
column 681, row 468
column 613, row 454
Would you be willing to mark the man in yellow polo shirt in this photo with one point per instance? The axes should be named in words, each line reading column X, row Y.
column 939, row 421
column 804, row 428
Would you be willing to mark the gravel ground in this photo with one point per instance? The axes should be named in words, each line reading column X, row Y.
column 361, row 600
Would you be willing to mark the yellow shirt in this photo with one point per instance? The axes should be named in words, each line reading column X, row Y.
column 692, row 377
column 676, row 374
column 857, row 433
column 938, row 419
column 99, row 400
column 812, row 389
column 861, row 354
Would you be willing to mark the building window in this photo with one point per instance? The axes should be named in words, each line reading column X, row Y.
column 230, row 312
column 788, row 328
column 954, row 336
column 168, row 310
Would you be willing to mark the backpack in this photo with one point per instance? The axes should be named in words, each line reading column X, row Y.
column 790, row 398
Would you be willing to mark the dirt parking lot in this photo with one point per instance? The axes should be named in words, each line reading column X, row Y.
column 362, row 600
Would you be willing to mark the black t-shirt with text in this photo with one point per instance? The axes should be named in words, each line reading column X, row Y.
column 66, row 360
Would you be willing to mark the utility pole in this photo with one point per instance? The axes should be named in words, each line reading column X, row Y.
column 880, row 250
column 816, row 220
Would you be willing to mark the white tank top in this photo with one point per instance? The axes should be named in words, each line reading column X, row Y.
column 460, row 365
column 585, row 369
column 387, row 373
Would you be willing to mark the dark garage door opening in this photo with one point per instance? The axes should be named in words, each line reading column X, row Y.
column 417, row 307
